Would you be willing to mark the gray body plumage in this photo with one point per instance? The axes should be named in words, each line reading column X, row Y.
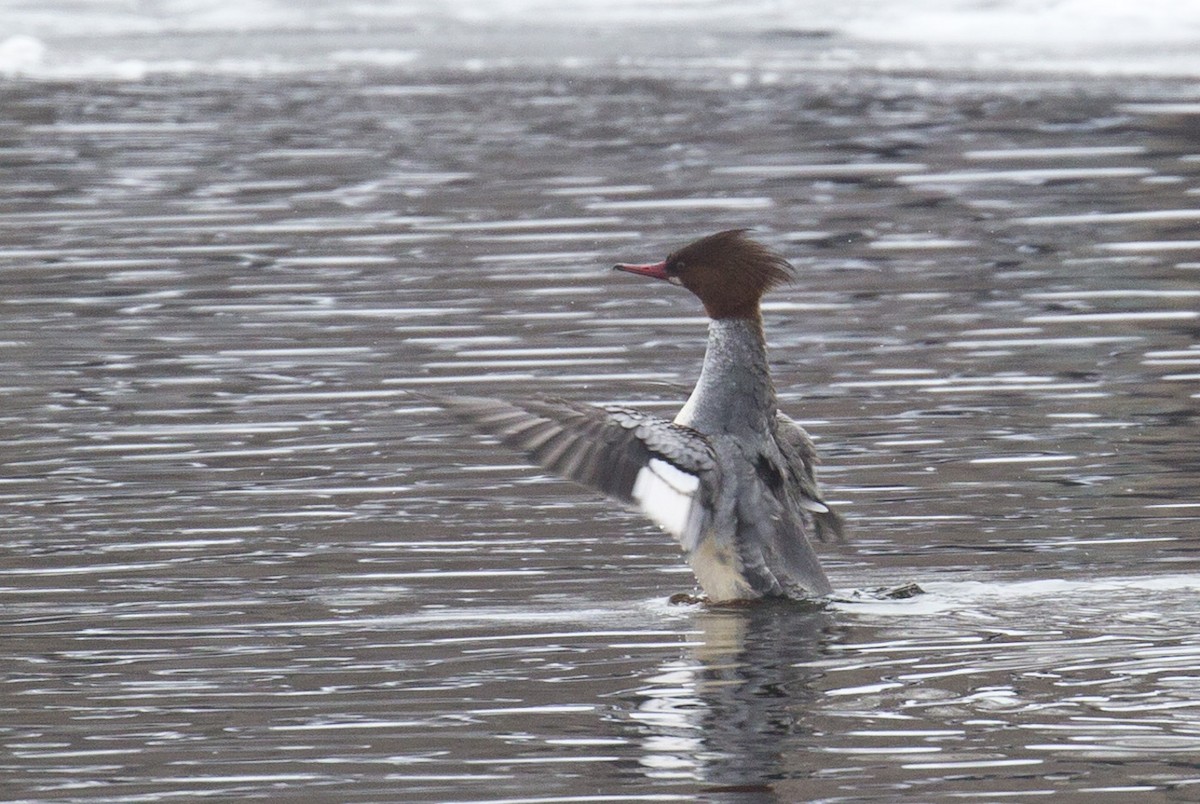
column 769, row 503
column 731, row 478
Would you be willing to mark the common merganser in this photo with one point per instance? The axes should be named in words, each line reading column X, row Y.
column 731, row 478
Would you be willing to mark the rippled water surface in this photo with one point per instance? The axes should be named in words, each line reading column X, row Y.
column 241, row 560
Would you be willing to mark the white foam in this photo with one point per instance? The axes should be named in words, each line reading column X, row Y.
column 948, row 597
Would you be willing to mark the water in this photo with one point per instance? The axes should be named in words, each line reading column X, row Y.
column 241, row 561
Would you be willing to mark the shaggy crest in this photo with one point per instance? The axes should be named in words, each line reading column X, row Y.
column 729, row 272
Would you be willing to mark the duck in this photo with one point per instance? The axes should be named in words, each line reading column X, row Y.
column 731, row 478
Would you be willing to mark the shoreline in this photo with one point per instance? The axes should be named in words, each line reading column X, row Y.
column 696, row 52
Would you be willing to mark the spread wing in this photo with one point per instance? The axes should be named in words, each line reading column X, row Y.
column 800, row 457
column 666, row 470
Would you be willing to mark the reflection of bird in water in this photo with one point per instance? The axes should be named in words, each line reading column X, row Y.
column 724, row 715
column 732, row 477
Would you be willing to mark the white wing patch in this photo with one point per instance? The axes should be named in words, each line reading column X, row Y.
column 666, row 494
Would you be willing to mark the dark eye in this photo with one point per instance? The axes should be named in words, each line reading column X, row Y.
column 675, row 265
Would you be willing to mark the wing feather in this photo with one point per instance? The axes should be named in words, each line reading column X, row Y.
column 800, row 456
column 665, row 469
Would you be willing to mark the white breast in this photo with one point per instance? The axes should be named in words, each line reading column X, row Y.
column 719, row 572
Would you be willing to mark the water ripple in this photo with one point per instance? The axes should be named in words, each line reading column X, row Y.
column 240, row 560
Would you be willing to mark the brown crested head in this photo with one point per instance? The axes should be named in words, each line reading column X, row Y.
column 728, row 271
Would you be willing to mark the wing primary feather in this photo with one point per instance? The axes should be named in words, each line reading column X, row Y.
column 631, row 456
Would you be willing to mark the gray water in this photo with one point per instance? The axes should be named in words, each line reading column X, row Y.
column 241, row 561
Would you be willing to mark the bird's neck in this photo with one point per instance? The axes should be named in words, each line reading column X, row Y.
column 734, row 394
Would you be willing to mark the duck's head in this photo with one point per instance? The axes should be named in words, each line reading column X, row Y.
column 727, row 271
